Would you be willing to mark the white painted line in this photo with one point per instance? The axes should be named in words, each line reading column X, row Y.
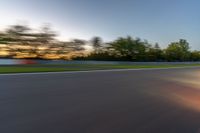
column 91, row 71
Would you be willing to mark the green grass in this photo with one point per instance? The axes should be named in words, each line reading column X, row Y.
column 79, row 67
column 17, row 69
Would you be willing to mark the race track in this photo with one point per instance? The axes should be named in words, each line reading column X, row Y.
column 137, row 101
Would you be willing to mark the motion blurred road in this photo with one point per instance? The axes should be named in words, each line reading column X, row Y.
column 138, row 101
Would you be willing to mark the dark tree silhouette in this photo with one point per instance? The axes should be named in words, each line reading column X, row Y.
column 97, row 44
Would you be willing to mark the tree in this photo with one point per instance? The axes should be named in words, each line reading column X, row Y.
column 18, row 29
column 154, row 53
column 78, row 44
column 46, row 35
column 129, row 48
column 178, row 51
column 97, row 44
column 195, row 56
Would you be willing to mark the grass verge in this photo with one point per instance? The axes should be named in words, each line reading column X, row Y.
column 79, row 67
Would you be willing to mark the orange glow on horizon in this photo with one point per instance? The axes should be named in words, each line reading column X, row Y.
column 24, row 53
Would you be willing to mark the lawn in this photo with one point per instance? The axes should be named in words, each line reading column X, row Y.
column 79, row 67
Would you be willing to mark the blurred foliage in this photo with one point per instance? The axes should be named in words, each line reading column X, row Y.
column 135, row 49
column 20, row 41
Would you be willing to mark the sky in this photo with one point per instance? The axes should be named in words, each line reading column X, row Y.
column 161, row 21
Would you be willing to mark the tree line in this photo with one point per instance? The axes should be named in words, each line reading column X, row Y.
column 20, row 41
column 135, row 49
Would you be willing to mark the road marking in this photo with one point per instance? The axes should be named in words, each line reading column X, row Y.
column 91, row 71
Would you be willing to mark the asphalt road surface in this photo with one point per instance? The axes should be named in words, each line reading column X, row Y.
column 143, row 101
